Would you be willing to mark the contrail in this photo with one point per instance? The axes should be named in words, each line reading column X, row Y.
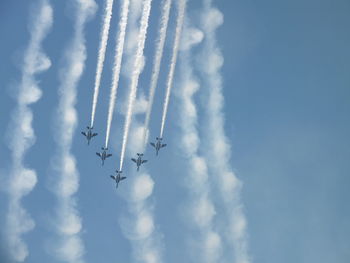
column 22, row 180
column 117, row 65
column 169, row 84
column 200, row 210
column 156, row 65
column 70, row 247
column 146, row 9
column 217, row 145
column 138, row 224
column 101, row 55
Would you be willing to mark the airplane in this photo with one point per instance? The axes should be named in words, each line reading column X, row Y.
column 139, row 160
column 158, row 145
column 117, row 178
column 103, row 155
column 89, row 134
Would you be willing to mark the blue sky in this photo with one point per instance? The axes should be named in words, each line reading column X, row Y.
column 286, row 93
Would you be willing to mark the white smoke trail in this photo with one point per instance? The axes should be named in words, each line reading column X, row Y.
column 101, row 55
column 146, row 9
column 139, row 224
column 156, row 65
column 117, row 65
column 218, row 147
column 169, row 84
column 22, row 180
column 201, row 210
column 70, row 247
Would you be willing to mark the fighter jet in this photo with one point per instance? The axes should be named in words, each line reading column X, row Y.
column 158, row 145
column 103, row 155
column 139, row 160
column 117, row 178
column 89, row 134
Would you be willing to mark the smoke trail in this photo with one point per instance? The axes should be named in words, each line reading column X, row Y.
column 22, row 180
column 156, row 65
column 169, row 84
column 139, row 226
column 146, row 9
column 218, row 147
column 201, row 210
column 101, row 55
column 69, row 247
column 117, row 65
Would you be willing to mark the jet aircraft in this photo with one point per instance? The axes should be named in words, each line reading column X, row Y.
column 103, row 155
column 117, row 178
column 89, row 134
column 158, row 145
column 139, row 160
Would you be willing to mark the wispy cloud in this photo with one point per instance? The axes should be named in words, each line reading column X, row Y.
column 200, row 210
column 217, row 145
column 22, row 180
column 69, row 247
column 101, row 55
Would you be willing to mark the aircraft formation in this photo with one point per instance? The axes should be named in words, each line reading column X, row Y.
column 134, row 77
column 104, row 155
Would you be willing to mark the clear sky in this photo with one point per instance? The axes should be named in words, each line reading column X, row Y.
column 286, row 87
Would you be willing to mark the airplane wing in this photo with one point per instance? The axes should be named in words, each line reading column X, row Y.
column 122, row 178
column 94, row 134
column 83, row 133
column 144, row 161
column 153, row 144
column 134, row 160
column 108, row 155
column 113, row 177
column 163, row 145
column 98, row 154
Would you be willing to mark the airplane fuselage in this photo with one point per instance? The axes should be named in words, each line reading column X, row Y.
column 89, row 136
column 103, row 157
column 117, row 180
column 138, row 162
column 158, row 146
